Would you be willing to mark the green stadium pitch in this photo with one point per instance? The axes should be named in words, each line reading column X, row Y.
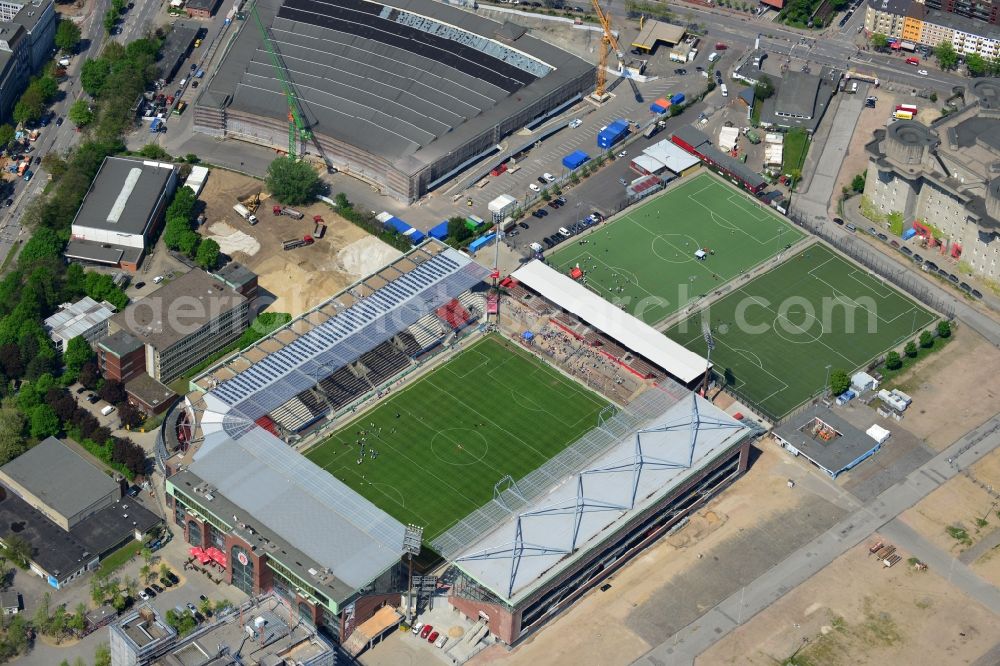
column 646, row 258
column 444, row 441
column 776, row 335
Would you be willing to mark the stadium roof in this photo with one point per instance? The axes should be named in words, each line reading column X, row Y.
column 124, row 195
column 343, row 337
column 282, row 493
column 408, row 80
column 631, row 332
column 589, row 505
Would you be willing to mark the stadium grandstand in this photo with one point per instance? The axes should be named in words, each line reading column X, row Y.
column 403, row 94
column 659, row 460
column 280, row 521
column 621, row 336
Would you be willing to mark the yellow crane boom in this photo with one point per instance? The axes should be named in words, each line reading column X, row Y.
column 608, row 42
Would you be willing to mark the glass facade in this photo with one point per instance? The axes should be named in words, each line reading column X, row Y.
column 194, row 533
column 242, row 573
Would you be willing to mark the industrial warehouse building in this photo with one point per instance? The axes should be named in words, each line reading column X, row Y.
column 403, row 95
column 121, row 213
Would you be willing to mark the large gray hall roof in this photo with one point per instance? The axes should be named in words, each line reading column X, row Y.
column 407, row 80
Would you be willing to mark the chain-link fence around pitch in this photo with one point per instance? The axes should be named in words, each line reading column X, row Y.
column 517, row 495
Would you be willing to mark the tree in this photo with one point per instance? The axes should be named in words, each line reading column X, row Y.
column 6, row 135
column 764, row 87
column 80, row 113
column 205, row 606
column 976, row 64
column 858, row 183
column 946, row 55
column 98, row 589
column 102, row 656
column 208, row 254
column 458, row 231
column 910, row 349
column 12, row 442
column 54, row 164
column 544, row 194
column 839, row 382
column 93, row 75
column 892, row 361
column 78, row 620
column 29, row 108
column 944, row 329
column 77, row 353
column 926, row 339
column 43, row 422
column 879, row 41
column 67, row 36
column 17, row 550
column 292, row 182
column 129, row 416
column 89, row 375
column 112, row 392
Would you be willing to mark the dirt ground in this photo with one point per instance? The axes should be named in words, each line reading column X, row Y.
column 943, row 408
column 965, row 504
column 856, row 160
column 857, row 612
column 596, row 630
column 301, row 278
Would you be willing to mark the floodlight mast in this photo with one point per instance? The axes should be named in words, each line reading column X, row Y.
column 412, row 538
column 706, row 332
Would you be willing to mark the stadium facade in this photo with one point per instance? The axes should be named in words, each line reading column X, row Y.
column 403, row 94
column 283, row 524
column 274, row 520
column 550, row 551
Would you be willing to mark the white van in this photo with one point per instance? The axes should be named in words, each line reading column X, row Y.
column 724, row 89
column 107, row 410
column 713, row 56
column 535, row 247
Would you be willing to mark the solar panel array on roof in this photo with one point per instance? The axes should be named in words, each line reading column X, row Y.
column 363, row 19
column 352, row 332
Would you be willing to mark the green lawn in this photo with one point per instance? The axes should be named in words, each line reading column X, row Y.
column 793, row 155
column 119, row 558
column 775, row 335
column 645, row 259
column 444, row 441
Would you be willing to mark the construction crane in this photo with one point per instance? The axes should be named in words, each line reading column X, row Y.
column 297, row 129
column 608, row 42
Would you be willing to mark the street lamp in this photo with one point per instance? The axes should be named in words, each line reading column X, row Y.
column 826, row 382
column 412, row 537
column 706, row 332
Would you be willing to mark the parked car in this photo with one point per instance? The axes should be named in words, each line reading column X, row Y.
column 140, row 285
column 907, row 251
column 977, row 294
column 534, row 188
column 8, row 203
column 922, row 72
column 965, row 286
column 837, row 220
column 426, row 631
column 537, row 213
column 623, row 182
column 191, row 607
column 417, row 627
column 549, row 178
column 543, row 212
column 523, row 225
column 92, row 399
column 542, row 180
column 433, row 637
column 575, row 123
column 561, row 200
column 157, row 588
column 564, row 232
column 953, row 278
column 441, row 642
column 680, row 71
column 149, row 592
column 133, row 491
column 883, row 237
column 894, row 243
column 143, row 595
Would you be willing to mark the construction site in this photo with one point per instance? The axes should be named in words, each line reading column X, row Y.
column 297, row 273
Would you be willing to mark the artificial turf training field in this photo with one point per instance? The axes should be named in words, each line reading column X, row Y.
column 492, row 410
column 776, row 334
column 645, row 259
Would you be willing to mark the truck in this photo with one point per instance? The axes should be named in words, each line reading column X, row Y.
column 861, row 76
column 612, row 134
column 651, row 130
column 245, row 213
column 320, row 229
column 290, row 212
column 154, row 126
column 107, row 409
column 752, row 136
column 679, row 56
column 297, row 242
column 907, row 107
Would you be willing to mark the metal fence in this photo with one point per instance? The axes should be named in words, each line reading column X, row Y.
column 574, row 458
column 878, row 264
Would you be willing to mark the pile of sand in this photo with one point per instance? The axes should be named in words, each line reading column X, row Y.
column 232, row 240
column 366, row 255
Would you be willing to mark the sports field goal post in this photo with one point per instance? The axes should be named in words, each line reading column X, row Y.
column 506, row 484
column 606, row 413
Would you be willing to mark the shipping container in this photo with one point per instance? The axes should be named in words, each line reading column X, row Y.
column 902, row 115
column 575, row 159
column 907, row 107
column 678, row 98
column 612, row 134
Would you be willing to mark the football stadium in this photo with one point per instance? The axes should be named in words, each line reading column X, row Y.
column 682, row 245
column 535, row 462
column 402, row 94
